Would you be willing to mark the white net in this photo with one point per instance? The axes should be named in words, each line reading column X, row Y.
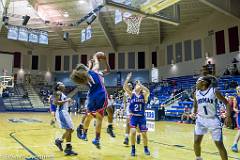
column 133, row 24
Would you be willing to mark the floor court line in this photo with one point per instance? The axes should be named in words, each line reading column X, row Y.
column 176, row 146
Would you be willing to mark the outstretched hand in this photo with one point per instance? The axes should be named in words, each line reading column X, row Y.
column 129, row 76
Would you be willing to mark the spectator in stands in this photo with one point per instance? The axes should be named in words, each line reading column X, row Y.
column 25, row 95
column 186, row 115
column 226, row 72
column 226, row 85
column 211, row 68
column 231, row 103
column 162, row 112
column 233, row 84
column 2, row 87
column 234, row 71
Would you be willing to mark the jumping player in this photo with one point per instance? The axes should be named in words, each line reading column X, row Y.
column 139, row 97
column 94, row 64
column 126, row 103
column 236, row 108
column 205, row 109
column 96, row 98
column 64, row 119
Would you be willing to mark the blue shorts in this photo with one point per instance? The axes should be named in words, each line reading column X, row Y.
column 97, row 104
column 53, row 108
column 238, row 121
column 138, row 121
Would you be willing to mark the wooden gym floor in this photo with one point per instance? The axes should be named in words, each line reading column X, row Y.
column 34, row 137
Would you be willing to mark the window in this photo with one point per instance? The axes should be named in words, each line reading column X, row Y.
column 58, row 63
column 66, row 63
column 121, row 60
column 170, row 54
column 34, row 62
column 178, row 52
column 154, row 59
column 131, row 60
column 188, row 50
column 84, row 59
column 75, row 61
column 141, row 60
column 197, row 44
column 233, row 39
column 220, row 42
column 111, row 60
column 17, row 60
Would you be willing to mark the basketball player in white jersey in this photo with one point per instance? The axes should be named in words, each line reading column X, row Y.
column 205, row 110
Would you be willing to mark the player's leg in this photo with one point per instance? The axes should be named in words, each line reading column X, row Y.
column 87, row 121
column 197, row 146
column 237, row 137
column 110, row 121
column 199, row 131
column 133, row 140
column 53, row 120
column 68, row 150
column 222, row 150
column 138, row 135
column 66, row 123
column 127, row 131
column 99, row 118
column 133, row 124
column 235, row 143
column 80, row 127
column 143, row 128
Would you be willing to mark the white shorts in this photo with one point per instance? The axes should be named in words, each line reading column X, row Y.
column 64, row 119
column 213, row 125
column 127, row 111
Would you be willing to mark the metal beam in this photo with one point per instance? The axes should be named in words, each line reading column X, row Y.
column 58, row 30
column 157, row 17
column 228, row 7
column 107, row 34
column 157, row 5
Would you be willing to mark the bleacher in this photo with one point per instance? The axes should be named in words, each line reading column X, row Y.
column 187, row 82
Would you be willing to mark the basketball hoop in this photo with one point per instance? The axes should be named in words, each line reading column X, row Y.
column 133, row 23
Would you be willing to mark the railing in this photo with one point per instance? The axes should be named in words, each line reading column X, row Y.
column 174, row 99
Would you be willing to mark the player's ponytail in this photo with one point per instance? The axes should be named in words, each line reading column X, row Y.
column 79, row 75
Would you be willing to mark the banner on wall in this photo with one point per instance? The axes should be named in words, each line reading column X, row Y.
column 155, row 75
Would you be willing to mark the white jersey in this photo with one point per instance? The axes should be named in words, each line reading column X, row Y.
column 207, row 103
column 128, row 99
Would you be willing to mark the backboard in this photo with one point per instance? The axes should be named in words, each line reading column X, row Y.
column 152, row 9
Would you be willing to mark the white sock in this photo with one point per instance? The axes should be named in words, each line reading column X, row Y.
column 199, row 158
column 68, row 143
column 126, row 135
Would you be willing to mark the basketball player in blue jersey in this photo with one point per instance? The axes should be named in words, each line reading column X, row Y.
column 236, row 108
column 94, row 65
column 96, row 98
column 206, row 111
column 64, row 119
column 126, row 103
column 139, row 97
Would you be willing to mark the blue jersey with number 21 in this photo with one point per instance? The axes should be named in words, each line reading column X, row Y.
column 137, row 104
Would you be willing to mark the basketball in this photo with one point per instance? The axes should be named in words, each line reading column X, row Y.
column 100, row 55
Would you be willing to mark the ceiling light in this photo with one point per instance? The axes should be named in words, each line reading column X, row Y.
column 81, row 1
column 65, row 14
